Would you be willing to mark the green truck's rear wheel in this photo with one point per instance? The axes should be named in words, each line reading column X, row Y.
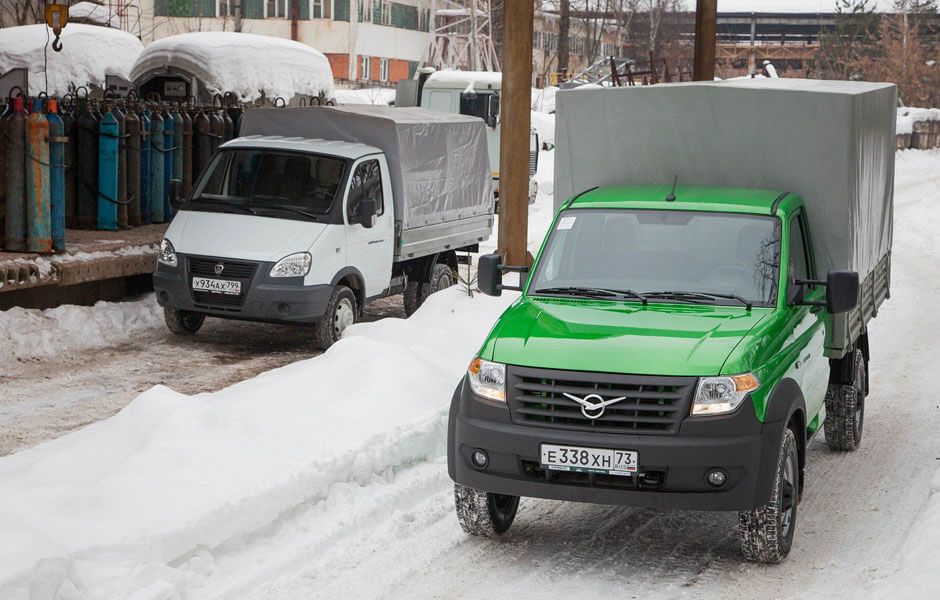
column 767, row 532
column 845, row 410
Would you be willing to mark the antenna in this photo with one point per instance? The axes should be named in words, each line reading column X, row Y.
column 672, row 194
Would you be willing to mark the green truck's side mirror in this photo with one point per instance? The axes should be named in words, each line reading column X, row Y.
column 490, row 275
column 841, row 291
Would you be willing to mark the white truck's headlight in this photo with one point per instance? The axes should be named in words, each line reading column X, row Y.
column 719, row 395
column 293, row 265
column 167, row 254
column 487, row 379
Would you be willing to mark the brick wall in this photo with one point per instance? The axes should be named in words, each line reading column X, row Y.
column 340, row 65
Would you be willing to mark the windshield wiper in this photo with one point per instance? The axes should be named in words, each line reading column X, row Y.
column 591, row 292
column 223, row 202
column 292, row 209
column 692, row 296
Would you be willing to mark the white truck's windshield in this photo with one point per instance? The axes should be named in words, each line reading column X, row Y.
column 252, row 179
column 662, row 255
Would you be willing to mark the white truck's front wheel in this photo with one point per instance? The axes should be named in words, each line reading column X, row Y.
column 341, row 312
column 182, row 322
column 482, row 513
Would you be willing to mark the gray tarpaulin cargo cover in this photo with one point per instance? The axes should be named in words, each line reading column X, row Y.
column 830, row 142
column 438, row 162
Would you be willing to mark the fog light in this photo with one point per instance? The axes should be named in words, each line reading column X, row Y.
column 283, row 308
column 164, row 297
column 716, row 477
column 479, row 459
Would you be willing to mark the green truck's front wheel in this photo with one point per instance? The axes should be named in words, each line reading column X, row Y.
column 482, row 513
column 767, row 532
column 845, row 409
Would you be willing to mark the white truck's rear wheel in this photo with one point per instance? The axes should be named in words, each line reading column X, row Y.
column 341, row 312
column 483, row 513
column 416, row 292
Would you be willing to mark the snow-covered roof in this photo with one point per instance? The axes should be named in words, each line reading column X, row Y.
column 90, row 12
column 243, row 63
column 88, row 53
column 460, row 79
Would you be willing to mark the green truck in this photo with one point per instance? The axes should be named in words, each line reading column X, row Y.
column 679, row 345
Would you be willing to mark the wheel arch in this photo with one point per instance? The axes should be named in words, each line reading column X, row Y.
column 352, row 278
column 788, row 407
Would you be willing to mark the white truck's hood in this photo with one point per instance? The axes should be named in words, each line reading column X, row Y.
column 247, row 237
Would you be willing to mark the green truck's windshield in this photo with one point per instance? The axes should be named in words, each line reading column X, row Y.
column 252, row 180
column 710, row 257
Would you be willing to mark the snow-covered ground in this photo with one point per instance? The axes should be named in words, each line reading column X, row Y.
column 313, row 481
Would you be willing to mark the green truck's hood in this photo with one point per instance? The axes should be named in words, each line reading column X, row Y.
column 660, row 339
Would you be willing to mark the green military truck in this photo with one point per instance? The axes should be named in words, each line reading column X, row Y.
column 679, row 345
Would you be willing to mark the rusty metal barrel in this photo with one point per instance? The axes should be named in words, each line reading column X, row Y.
column 132, row 173
column 14, row 239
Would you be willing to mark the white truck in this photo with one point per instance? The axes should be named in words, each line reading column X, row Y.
column 472, row 93
column 316, row 211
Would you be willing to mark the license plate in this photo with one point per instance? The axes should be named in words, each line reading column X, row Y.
column 589, row 460
column 219, row 286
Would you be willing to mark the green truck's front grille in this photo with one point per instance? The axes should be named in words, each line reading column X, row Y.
column 570, row 399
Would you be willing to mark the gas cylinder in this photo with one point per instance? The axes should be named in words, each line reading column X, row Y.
column 57, row 142
column 178, row 142
column 122, row 165
column 202, row 148
column 157, row 139
column 169, row 158
column 38, row 223
column 228, row 126
column 132, row 127
column 4, row 142
column 15, row 238
column 144, row 167
column 216, row 130
column 87, row 205
column 70, row 126
column 187, row 153
column 108, row 172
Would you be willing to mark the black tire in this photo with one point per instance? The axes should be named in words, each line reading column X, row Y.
column 183, row 322
column 766, row 532
column 482, row 513
column 845, row 410
column 417, row 292
column 341, row 312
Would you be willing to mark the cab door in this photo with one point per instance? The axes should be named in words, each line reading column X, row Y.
column 811, row 365
column 369, row 249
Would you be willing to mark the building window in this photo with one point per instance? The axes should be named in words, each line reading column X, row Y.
column 383, row 69
column 323, row 9
column 271, row 8
column 280, row 8
column 184, row 8
column 341, row 10
column 365, row 67
column 404, row 17
column 253, row 9
column 223, row 8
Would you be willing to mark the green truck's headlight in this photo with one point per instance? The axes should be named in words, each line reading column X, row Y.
column 488, row 379
column 719, row 395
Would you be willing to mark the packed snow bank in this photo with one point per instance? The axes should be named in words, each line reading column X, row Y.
column 907, row 116
column 171, row 473
column 27, row 333
column 94, row 14
column 243, row 63
column 543, row 100
column 88, row 54
column 366, row 96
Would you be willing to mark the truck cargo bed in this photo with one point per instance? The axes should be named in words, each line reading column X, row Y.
column 432, row 239
column 872, row 291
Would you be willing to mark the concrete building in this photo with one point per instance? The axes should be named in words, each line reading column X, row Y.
column 365, row 40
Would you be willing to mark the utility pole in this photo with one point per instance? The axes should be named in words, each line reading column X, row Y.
column 706, row 26
column 518, row 19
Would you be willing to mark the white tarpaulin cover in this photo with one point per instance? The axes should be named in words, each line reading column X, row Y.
column 438, row 162
column 830, row 142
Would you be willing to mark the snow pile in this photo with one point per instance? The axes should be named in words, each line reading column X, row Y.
column 543, row 100
column 243, row 63
column 27, row 333
column 480, row 79
column 88, row 53
column 544, row 124
column 374, row 95
column 94, row 14
column 171, row 473
column 907, row 116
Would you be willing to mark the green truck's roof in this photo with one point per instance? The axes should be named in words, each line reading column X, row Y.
column 688, row 197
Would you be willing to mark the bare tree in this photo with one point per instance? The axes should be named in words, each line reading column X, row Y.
column 21, row 12
column 564, row 24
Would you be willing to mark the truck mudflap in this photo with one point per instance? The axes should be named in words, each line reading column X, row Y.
column 259, row 298
column 672, row 469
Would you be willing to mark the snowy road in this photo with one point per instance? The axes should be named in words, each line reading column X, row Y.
column 46, row 394
column 395, row 535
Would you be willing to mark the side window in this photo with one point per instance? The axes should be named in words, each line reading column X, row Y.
column 799, row 267
column 366, row 182
column 440, row 101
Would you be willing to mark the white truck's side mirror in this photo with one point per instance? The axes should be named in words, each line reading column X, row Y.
column 368, row 207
